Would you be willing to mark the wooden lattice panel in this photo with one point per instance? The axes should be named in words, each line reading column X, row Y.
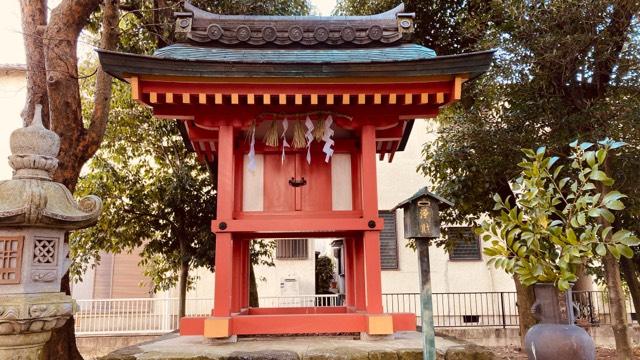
column 10, row 259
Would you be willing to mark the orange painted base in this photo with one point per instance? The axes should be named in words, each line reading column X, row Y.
column 264, row 321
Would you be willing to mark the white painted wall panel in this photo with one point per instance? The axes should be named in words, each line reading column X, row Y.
column 253, row 185
column 341, row 191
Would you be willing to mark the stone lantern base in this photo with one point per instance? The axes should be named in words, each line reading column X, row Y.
column 23, row 346
column 26, row 321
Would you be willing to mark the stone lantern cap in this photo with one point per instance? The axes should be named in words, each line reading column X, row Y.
column 31, row 198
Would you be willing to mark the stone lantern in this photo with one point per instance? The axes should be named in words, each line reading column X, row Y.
column 35, row 213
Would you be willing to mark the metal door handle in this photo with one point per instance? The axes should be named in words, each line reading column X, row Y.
column 297, row 182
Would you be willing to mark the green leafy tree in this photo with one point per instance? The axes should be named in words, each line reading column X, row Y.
column 559, row 74
column 156, row 195
column 554, row 224
column 446, row 26
column 324, row 274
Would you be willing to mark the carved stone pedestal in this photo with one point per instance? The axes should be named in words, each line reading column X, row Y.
column 24, row 346
column 26, row 321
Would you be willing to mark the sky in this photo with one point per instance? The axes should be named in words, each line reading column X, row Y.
column 12, row 52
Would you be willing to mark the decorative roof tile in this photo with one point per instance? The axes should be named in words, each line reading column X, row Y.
column 199, row 26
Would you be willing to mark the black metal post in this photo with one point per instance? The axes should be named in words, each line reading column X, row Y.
column 504, row 315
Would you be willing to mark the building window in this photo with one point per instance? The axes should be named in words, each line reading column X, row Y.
column 465, row 244
column 388, row 241
column 291, row 249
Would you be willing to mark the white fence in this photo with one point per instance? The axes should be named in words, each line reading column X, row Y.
column 148, row 316
column 140, row 316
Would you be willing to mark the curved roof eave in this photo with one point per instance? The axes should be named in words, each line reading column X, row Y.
column 122, row 65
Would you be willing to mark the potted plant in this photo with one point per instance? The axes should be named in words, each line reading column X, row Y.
column 559, row 216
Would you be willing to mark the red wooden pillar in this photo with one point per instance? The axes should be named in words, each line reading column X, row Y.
column 224, row 241
column 246, row 263
column 237, row 283
column 224, row 273
column 371, row 239
column 349, row 253
column 372, row 263
column 359, row 275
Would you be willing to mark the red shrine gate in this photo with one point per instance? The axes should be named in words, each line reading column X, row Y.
column 235, row 80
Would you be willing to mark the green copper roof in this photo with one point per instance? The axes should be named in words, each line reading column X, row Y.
column 405, row 52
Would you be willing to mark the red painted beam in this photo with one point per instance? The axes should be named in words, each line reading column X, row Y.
column 241, row 116
column 298, row 323
column 298, row 310
column 303, row 88
column 299, row 225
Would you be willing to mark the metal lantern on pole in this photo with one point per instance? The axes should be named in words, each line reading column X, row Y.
column 422, row 223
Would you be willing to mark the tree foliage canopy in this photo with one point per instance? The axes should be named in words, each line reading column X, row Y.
column 565, row 70
column 156, row 194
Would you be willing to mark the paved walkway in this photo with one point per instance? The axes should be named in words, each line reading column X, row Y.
column 406, row 346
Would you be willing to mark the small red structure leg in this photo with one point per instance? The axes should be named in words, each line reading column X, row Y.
column 359, row 275
column 246, row 264
column 238, row 282
column 372, row 263
column 224, row 273
column 349, row 264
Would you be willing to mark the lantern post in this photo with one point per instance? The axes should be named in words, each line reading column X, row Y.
column 422, row 224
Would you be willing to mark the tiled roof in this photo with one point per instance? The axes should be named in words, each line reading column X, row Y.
column 405, row 52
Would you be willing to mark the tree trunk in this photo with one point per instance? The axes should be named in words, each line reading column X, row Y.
column 525, row 299
column 184, row 278
column 585, row 281
column 630, row 273
column 34, row 21
column 617, row 306
column 253, row 289
column 52, row 65
column 619, row 323
column 62, row 344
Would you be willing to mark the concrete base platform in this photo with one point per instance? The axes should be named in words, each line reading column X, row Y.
column 405, row 346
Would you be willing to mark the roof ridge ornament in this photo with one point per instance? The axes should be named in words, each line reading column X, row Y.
column 387, row 28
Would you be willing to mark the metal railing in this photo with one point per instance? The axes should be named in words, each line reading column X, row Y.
column 148, row 316
column 301, row 301
column 497, row 309
column 470, row 309
column 140, row 316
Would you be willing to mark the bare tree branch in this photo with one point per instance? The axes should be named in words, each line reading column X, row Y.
column 102, row 98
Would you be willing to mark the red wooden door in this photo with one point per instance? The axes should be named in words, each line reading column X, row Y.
column 281, row 196
column 316, row 195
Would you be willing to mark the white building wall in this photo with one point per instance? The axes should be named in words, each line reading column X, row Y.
column 13, row 92
column 399, row 180
column 268, row 278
